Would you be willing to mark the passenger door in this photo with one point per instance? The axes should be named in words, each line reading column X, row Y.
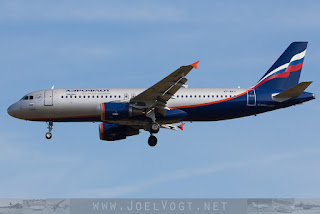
column 48, row 98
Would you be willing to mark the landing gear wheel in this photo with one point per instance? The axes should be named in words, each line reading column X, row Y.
column 152, row 141
column 48, row 135
column 154, row 127
column 50, row 127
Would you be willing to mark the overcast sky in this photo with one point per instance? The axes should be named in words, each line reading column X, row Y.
column 96, row 44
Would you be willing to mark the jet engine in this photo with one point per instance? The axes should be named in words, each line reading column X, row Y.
column 112, row 132
column 118, row 111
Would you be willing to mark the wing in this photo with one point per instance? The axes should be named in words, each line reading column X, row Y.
column 158, row 95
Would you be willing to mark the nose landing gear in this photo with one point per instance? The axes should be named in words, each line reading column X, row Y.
column 48, row 134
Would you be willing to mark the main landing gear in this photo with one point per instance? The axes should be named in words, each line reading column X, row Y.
column 153, row 129
column 48, row 134
column 152, row 141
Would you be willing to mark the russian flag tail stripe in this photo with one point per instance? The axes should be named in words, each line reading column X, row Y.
column 285, row 72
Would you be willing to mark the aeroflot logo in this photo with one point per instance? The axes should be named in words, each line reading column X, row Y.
column 88, row 90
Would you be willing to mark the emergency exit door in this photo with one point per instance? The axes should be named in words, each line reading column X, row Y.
column 251, row 96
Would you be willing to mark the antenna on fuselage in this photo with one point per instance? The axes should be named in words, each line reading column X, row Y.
column 52, row 87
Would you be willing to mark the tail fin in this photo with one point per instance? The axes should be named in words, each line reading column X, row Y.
column 285, row 72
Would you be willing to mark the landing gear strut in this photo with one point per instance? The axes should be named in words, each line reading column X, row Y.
column 48, row 134
column 154, row 128
column 152, row 141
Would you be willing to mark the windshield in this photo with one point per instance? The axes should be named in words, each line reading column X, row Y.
column 27, row 98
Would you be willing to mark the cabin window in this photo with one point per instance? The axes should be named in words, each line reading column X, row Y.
column 119, row 96
column 88, row 96
column 84, row 96
column 31, row 97
column 70, row 96
column 181, row 96
column 177, row 96
column 75, row 96
column 186, row 96
column 79, row 96
column 61, row 96
column 190, row 96
column 226, row 95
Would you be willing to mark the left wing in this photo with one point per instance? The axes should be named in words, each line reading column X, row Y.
column 158, row 95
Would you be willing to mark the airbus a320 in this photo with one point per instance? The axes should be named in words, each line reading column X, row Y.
column 124, row 112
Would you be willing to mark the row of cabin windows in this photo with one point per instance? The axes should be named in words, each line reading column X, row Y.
column 115, row 96
column 204, row 96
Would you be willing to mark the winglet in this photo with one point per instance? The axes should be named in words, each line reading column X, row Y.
column 181, row 126
column 195, row 64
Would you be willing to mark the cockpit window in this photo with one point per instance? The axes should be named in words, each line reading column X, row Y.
column 27, row 98
column 24, row 98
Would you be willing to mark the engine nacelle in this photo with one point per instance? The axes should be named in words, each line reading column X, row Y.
column 112, row 132
column 118, row 111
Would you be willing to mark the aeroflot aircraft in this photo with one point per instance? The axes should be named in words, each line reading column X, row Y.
column 123, row 112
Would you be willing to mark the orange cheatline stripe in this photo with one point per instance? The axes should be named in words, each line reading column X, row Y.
column 204, row 104
column 101, row 131
column 103, row 111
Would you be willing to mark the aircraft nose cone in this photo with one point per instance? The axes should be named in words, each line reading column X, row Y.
column 12, row 110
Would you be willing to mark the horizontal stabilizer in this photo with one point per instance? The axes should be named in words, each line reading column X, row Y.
column 292, row 92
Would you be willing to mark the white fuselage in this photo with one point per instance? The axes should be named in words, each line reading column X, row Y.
column 77, row 103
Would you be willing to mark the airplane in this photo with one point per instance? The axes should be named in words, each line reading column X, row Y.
column 15, row 206
column 123, row 112
column 259, row 206
column 283, row 209
column 307, row 206
column 37, row 208
column 36, row 204
column 57, row 205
